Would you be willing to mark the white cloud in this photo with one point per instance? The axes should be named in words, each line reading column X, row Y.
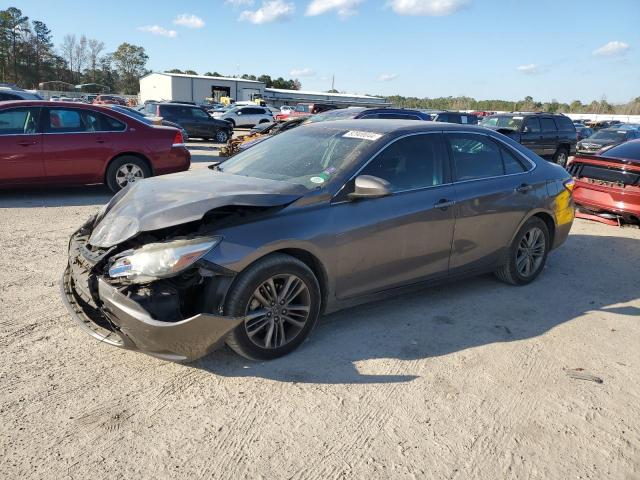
column 387, row 77
column 430, row 8
column 302, row 72
column 530, row 69
column 344, row 8
column 271, row 11
column 612, row 49
column 189, row 21
column 239, row 3
column 158, row 30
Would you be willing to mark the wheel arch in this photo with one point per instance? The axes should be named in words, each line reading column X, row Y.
column 127, row 154
column 543, row 215
column 311, row 261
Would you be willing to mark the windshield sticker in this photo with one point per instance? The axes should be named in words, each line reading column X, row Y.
column 518, row 118
column 329, row 171
column 371, row 136
column 317, row 180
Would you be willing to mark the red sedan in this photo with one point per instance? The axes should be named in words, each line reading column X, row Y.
column 59, row 143
column 607, row 185
column 109, row 100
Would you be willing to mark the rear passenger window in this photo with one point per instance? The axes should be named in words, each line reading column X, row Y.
column 548, row 125
column 410, row 163
column 199, row 114
column 98, row 122
column 475, row 156
column 511, row 162
column 565, row 124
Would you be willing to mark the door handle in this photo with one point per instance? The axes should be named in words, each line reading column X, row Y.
column 443, row 203
column 100, row 140
column 26, row 143
column 524, row 188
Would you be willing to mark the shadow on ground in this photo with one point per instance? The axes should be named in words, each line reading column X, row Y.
column 454, row 317
column 47, row 196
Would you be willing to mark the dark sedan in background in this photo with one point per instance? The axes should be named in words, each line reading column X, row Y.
column 607, row 137
column 326, row 215
column 59, row 143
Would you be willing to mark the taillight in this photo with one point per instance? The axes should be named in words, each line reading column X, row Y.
column 569, row 184
column 178, row 139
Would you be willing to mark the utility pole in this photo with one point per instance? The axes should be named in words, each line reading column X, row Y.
column 333, row 82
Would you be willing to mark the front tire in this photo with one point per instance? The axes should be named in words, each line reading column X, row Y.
column 222, row 136
column 124, row 171
column 280, row 297
column 527, row 254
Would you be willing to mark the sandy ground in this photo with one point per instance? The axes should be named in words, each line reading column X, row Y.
column 468, row 380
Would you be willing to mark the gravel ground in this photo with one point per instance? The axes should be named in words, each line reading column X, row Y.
column 470, row 380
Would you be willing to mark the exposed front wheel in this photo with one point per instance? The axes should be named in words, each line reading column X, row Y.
column 221, row 136
column 125, row 171
column 279, row 297
column 527, row 254
column 561, row 156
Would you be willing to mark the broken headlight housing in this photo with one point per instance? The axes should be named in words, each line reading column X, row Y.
column 160, row 260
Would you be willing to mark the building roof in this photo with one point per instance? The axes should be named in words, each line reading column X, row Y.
column 204, row 77
column 325, row 94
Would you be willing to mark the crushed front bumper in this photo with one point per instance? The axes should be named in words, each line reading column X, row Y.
column 116, row 319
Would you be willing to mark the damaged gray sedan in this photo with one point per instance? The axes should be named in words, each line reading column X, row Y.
column 250, row 252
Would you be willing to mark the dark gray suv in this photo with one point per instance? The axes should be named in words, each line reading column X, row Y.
column 552, row 136
column 195, row 120
column 317, row 218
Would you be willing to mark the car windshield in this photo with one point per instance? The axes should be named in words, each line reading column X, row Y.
column 608, row 135
column 512, row 123
column 304, row 156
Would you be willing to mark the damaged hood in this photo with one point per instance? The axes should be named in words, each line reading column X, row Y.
column 170, row 200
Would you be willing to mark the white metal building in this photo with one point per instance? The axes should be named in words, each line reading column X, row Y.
column 195, row 88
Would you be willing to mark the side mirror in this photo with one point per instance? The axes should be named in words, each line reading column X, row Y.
column 368, row 186
column 238, row 113
column 526, row 130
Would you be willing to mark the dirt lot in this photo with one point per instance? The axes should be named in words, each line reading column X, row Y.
column 462, row 381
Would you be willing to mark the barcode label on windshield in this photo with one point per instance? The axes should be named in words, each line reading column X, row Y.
column 362, row 135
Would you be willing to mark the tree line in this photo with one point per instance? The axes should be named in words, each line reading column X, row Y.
column 528, row 104
column 29, row 57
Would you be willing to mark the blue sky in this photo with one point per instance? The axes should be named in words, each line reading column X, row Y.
column 562, row 49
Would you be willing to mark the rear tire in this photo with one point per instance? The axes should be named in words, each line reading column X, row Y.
column 561, row 156
column 527, row 254
column 281, row 319
column 126, row 170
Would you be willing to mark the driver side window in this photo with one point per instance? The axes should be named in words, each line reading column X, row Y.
column 413, row 162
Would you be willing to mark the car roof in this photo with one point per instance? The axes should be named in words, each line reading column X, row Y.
column 384, row 126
